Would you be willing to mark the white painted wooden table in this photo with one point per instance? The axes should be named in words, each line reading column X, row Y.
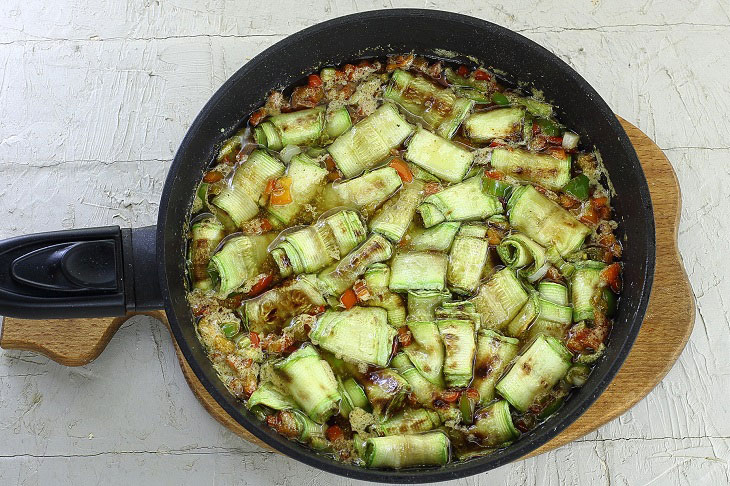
column 95, row 96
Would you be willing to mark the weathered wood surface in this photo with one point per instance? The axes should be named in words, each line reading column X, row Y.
column 96, row 95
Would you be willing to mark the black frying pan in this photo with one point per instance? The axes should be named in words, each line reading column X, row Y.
column 108, row 271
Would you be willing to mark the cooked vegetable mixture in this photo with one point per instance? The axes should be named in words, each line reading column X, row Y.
column 403, row 262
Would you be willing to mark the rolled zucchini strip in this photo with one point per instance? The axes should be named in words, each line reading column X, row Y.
column 542, row 169
column 270, row 311
column 535, row 372
column 436, row 238
column 422, row 303
column 377, row 277
column 360, row 334
column 268, row 395
column 400, row 451
column 500, row 299
column 418, row 270
column 494, row 354
column 336, row 122
column 386, row 390
column 460, row 347
column 439, row 107
column 461, row 202
column 205, row 235
column 409, row 422
column 307, row 180
column 544, row 221
column 503, row 123
column 240, row 199
column 337, row 279
column 395, row 216
column 426, row 352
column 517, row 251
column 493, row 425
column 439, row 156
column 422, row 389
column 459, row 310
column 367, row 191
column 370, row 141
column 240, row 259
column 526, row 316
column 466, row 262
column 534, row 106
column 553, row 292
column 301, row 127
column 312, row 248
column 310, row 382
column 585, row 284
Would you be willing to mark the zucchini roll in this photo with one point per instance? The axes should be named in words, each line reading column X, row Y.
column 500, row 299
column 494, row 354
column 270, row 311
column 312, row 248
column 376, row 278
column 395, row 216
column 361, row 334
column 366, row 192
column 399, row 451
column 307, row 179
column 310, row 382
column 418, row 271
column 239, row 260
column 240, row 199
column 535, row 372
column 585, row 284
column 545, row 170
column 503, row 123
column 493, row 425
column 544, row 221
column 303, row 127
column 439, row 156
column 426, row 352
column 337, row 279
column 205, row 235
column 466, row 262
column 409, row 422
column 439, row 107
column 436, row 238
column 422, row 303
column 370, row 141
column 423, row 390
column 460, row 347
column 465, row 201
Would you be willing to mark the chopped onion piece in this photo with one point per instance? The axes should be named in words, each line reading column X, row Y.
column 288, row 152
column 570, row 140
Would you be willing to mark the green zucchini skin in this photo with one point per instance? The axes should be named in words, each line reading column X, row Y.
column 493, row 356
column 370, row 141
column 544, row 221
column 500, row 299
column 395, row 216
column 239, row 260
column 493, row 425
column 400, row 451
column 585, row 283
column 461, row 202
column 460, row 347
column 535, row 372
column 360, row 334
column 503, row 123
column 240, row 200
column 366, row 192
column 310, row 382
column 439, row 156
column 439, row 107
column 543, row 169
column 206, row 234
column 307, row 181
column 418, row 271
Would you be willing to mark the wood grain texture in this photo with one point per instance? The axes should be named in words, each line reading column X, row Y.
column 667, row 326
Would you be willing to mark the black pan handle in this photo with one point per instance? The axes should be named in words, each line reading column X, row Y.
column 94, row 272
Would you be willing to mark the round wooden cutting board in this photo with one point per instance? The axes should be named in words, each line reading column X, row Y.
column 664, row 333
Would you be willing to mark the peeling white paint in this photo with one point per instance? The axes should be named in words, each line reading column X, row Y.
column 95, row 96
